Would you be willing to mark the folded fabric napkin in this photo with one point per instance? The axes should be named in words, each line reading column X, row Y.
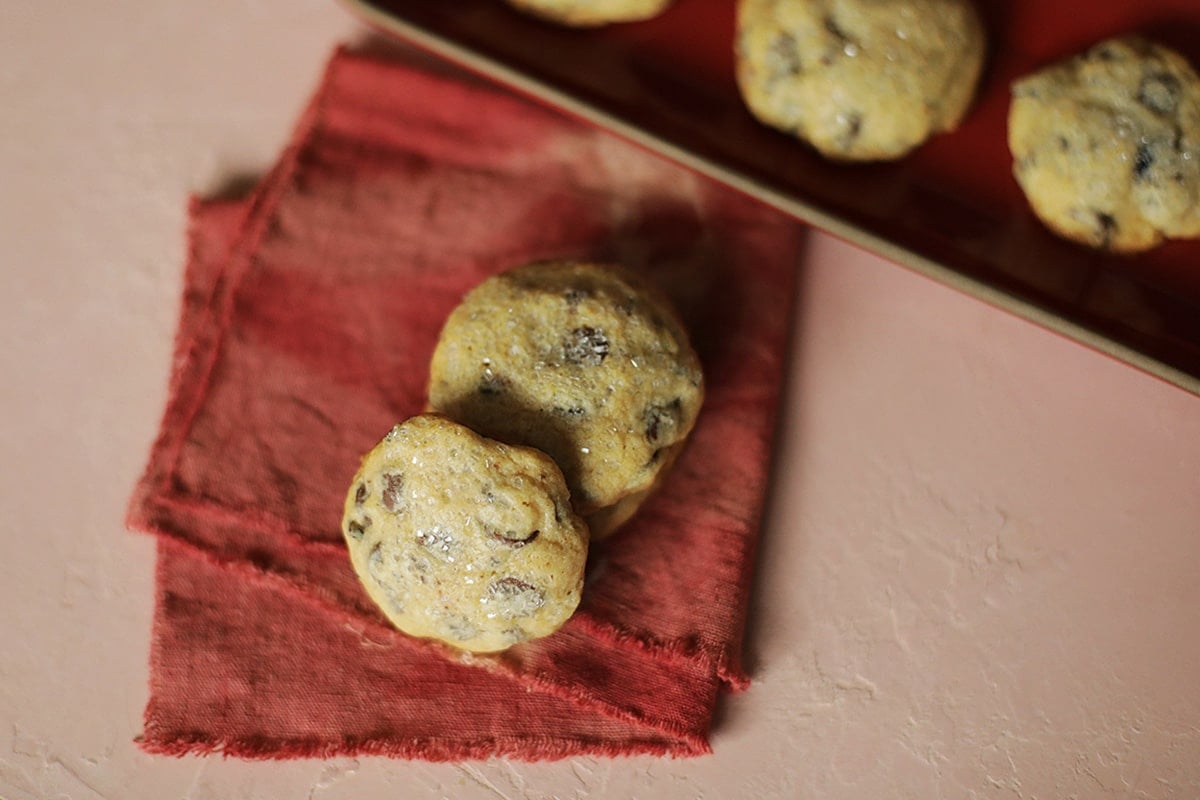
column 309, row 316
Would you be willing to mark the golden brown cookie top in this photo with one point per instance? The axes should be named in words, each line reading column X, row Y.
column 589, row 13
column 1106, row 145
column 859, row 79
column 583, row 361
column 463, row 539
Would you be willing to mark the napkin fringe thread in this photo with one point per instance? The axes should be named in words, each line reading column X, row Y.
column 696, row 742
column 424, row 749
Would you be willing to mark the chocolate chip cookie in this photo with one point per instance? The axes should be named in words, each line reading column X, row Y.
column 1106, row 145
column 589, row 13
column 583, row 361
column 463, row 539
column 859, row 80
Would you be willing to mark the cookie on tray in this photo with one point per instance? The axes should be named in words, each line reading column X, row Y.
column 463, row 539
column 859, row 80
column 1106, row 145
column 583, row 361
column 590, row 13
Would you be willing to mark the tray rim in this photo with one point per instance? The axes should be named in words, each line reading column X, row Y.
column 809, row 213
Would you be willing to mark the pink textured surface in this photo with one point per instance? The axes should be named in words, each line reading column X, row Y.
column 978, row 570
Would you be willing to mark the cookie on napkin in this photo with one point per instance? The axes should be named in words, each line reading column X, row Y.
column 310, row 334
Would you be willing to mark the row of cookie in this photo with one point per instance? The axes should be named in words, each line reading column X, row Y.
column 560, row 393
column 857, row 79
column 1106, row 145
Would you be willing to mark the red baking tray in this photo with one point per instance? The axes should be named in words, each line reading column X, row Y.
column 951, row 210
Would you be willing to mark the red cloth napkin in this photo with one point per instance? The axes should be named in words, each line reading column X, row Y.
column 309, row 316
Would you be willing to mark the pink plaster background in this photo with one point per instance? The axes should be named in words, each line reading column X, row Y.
column 980, row 564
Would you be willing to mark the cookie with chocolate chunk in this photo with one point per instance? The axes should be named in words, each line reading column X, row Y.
column 859, row 80
column 590, row 13
column 463, row 539
column 585, row 362
column 1106, row 145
